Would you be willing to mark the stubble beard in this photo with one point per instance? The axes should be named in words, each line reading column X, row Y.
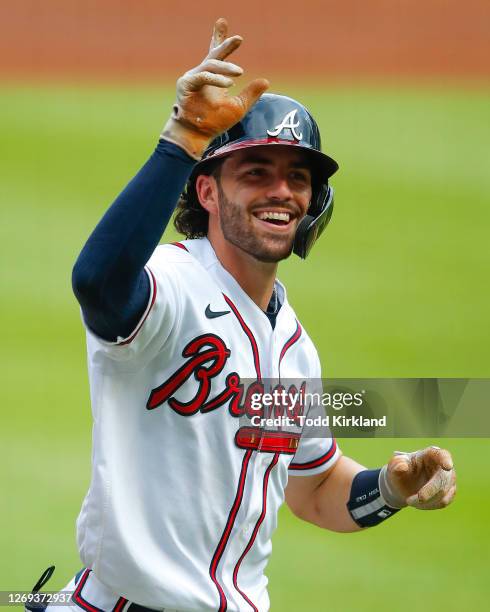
column 236, row 229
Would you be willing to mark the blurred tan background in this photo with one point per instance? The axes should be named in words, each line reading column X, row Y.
column 129, row 39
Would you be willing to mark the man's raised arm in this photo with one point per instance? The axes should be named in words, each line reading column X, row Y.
column 108, row 279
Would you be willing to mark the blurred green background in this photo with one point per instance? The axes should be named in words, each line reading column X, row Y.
column 395, row 288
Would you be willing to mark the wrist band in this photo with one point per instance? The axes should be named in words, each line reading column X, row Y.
column 392, row 497
column 366, row 505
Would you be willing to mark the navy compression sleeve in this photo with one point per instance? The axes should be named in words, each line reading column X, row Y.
column 108, row 279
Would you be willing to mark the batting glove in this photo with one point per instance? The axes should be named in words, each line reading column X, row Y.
column 204, row 109
column 424, row 479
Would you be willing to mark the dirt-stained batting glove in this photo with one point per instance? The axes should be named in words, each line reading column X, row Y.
column 204, row 109
column 424, row 479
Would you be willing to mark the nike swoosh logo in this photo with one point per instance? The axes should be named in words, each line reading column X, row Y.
column 212, row 314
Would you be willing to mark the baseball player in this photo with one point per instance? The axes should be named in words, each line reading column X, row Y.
column 184, row 498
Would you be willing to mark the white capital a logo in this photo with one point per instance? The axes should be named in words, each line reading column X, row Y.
column 287, row 122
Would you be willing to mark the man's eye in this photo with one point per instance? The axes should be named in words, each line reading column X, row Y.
column 255, row 172
column 299, row 176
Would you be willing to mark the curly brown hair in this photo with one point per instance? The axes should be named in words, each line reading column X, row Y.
column 191, row 219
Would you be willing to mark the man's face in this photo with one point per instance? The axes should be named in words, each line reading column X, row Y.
column 264, row 192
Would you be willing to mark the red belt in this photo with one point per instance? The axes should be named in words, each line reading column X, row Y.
column 267, row 441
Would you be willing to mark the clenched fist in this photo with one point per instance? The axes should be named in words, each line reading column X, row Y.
column 424, row 479
column 204, row 109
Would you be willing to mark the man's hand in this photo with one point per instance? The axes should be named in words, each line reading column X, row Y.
column 424, row 479
column 204, row 109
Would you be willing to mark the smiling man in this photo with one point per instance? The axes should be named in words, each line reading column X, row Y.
column 262, row 195
column 184, row 498
column 250, row 194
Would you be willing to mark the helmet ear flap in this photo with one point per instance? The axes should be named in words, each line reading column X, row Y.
column 314, row 222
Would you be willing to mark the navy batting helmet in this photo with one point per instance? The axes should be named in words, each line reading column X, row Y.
column 279, row 120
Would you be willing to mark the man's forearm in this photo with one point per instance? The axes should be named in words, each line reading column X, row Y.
column 349, row 497
column 321, row 499
column 333, row 494
column 108, row 278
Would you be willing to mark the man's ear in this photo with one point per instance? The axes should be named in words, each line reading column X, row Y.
column 207, row 193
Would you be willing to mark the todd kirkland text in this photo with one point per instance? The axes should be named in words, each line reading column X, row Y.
column 336, row 420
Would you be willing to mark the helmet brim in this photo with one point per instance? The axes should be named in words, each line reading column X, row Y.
column 323, row 165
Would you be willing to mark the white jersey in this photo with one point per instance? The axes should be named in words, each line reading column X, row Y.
column 182, row 506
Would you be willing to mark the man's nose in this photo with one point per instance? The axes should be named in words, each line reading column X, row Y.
column 279, row 190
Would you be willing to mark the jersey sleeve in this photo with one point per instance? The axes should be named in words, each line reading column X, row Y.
column 159, row 321
column 314, row 455
column 317, row 449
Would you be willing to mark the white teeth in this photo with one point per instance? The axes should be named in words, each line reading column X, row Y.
column 279, row 216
